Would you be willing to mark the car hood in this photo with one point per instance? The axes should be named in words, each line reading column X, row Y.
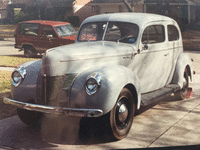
column 71, row 37
column 75, row 58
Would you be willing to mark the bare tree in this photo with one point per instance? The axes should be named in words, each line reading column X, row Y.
column 127, row 5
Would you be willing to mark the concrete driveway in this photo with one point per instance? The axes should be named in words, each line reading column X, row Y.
column 169, row 123
column 7, row 48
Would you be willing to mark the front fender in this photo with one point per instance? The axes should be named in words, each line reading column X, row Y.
column 114, row 79
column 183, row 61
column 27, row 90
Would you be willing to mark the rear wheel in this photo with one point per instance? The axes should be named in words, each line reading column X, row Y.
column 184, row 92
column 121, row 116
column 29, row 117
column 29, row 52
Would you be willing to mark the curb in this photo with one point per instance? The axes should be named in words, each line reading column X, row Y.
column 7, row 69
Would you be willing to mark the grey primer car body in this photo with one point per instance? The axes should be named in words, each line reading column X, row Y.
column 118, row 63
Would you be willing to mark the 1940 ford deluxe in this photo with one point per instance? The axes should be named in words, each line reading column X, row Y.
column 118, row 63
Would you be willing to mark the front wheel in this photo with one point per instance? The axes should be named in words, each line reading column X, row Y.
column 29, row 52
column 121, row 116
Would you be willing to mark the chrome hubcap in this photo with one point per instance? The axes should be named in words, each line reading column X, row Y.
column 123, row 113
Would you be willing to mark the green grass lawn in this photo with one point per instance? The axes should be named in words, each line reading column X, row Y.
column 8, row 61
column 6, row 110
column 5, row 87
column 7, row 31
column 5, row 81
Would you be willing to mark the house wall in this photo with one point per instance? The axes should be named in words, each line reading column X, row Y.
column 2, row 13
column 102, row 8
column 20, row 1
column 5, row 12
column 111, row 8
column 139, row 8
column 86, row 11
column 193, row 14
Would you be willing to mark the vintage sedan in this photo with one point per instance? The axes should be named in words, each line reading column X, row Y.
column 118, row 63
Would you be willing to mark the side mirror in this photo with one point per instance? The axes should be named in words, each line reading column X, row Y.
column 50, row 36
column 145, row 46
column 138, row 51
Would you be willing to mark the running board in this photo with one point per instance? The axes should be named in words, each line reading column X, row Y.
column 152, row 97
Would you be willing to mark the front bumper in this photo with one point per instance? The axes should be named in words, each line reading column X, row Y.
column 55, row 110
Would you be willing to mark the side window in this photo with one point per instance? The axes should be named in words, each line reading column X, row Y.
column 47, row 30
column 29, row 29
column 153, row 34
column 173, row 34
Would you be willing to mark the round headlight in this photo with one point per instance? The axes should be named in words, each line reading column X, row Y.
column 18, row 75
column 93, row 83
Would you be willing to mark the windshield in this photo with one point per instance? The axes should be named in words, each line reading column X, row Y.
column 65, row 30
column 109, row 31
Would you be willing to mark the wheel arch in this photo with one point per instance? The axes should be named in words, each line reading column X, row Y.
column 189, row 71
column 114, row 79
column 28, row 45
column 183, row 62
column 134, row 92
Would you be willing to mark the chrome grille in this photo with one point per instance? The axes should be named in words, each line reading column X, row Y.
column 57, row 89
column 64, row 92
column 53, row 84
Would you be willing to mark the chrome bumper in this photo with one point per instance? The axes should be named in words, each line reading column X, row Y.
column 55, row 110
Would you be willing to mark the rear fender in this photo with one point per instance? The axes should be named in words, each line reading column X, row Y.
column 183, row 62
column 114, row 79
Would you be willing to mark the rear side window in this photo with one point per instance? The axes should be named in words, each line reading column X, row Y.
column 29, row 29
column 173, row 34
column 153, row 34
column 48, row 30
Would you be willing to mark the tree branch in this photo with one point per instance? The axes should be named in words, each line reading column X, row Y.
column 127, row 5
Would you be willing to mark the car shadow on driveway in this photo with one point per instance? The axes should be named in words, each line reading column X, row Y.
column 75, row 131
column 54, row 131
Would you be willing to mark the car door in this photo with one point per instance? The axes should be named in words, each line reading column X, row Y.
column 155, row 59
column 175, row 41
column 28, row 34
column 47, row 37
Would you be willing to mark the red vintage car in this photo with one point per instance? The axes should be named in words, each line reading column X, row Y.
column 37, row 36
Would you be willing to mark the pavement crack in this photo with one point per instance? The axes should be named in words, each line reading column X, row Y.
column 173, row 125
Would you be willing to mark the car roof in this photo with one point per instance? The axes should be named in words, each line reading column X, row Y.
column 46, row 22
column 137, row 18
